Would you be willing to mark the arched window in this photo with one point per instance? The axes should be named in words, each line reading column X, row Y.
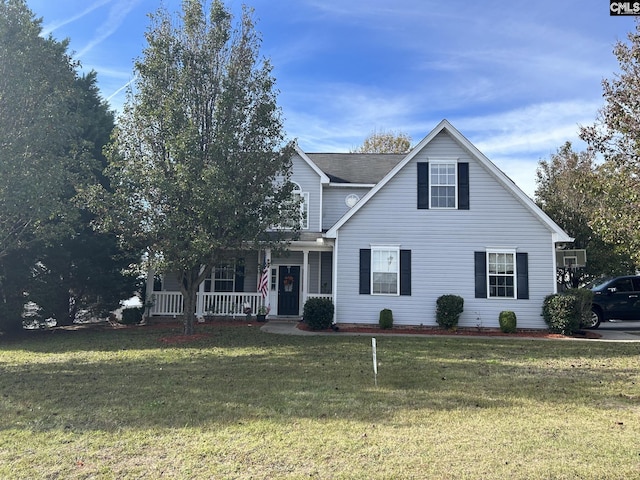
column 303, row 199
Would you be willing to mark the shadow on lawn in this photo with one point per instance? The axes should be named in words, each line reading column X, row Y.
column 129, row 379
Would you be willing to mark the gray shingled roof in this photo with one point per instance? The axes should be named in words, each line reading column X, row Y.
column 367, row 168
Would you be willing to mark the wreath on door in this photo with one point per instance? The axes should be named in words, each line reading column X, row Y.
column 288, row 283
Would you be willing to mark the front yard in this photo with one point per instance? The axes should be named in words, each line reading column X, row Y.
column 239, row 403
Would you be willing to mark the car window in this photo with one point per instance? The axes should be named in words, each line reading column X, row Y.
column 596, row 282
column 622, row 285
column 636, row 284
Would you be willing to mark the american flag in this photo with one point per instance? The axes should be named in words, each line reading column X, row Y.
column 263, row 284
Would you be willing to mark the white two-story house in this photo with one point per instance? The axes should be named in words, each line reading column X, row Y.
column 398, row 231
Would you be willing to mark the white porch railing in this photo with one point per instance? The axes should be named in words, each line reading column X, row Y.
column 223, row 304
column 320, row 295
column 228, row 303
column 167, row 303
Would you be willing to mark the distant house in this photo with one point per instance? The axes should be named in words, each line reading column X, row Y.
column 398, row 231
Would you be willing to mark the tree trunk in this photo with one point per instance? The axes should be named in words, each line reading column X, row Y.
column 189, row 312
column 190, row 281
column 61, row 307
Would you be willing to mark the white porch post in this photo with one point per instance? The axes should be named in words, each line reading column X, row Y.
column 267, row 262
column 200, row 299
column 148, row 293
column 334, row 279
column 305, row 276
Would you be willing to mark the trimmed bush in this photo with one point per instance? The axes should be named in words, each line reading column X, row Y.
column 507, row 321
column 584, row 299
column 318, row 313
column 386, row 318
column 562, row 312
column 448, row 310
column 131, row 316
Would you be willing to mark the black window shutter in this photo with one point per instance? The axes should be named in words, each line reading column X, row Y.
column 481, row 274
column 463, row 186
column 240, row 278
column 522, row 265
column 405, row 272
column 365, row 271
column 423, row 185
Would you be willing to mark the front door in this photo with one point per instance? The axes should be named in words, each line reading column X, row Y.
column 289, row 291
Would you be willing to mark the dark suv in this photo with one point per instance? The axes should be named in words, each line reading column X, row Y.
column 615, row 298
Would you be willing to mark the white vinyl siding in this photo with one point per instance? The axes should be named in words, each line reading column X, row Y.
column 442, row 244
column 334, row 205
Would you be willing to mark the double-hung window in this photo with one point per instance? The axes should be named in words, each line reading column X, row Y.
column 224, row 277
column 221, row 280
column 501, row 271
column 385, row 270
column 443, row 184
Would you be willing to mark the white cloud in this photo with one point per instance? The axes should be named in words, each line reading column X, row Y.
column 117, row 14
column 531, row 128
column 49, row 28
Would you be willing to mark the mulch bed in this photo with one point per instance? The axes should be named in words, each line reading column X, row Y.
column 373, row 329
column 179, row 338
column 463, row 332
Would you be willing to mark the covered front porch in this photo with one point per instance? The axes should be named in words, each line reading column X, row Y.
column 304, row 271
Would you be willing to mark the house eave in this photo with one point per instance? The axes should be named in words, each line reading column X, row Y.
column 351, row 185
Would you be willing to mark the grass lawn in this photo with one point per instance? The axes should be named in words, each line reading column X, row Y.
column 238, row 403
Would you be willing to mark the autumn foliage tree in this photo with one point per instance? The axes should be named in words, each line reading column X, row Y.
column 615, row 136
column 385, row 142
column 565, row 191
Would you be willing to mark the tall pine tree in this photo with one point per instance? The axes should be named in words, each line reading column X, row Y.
column 53, row 126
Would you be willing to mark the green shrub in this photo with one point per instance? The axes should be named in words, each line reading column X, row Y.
column 318, row 313
column 562, row 312
column 507, row 321
column 448, row 310
column 386, row 318
column 584, row 299
column 131, row 316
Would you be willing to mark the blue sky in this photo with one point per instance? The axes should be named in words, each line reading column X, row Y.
column 516, row 78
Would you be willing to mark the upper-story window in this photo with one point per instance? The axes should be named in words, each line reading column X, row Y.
column 443, row 184
column 300, row 198
column 303, row 199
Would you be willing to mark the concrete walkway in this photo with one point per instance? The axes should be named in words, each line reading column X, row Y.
column 288, row 327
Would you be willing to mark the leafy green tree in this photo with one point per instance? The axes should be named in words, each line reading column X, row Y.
column 616, row 137
column 39, row 158
column 53, row 125
column 199, row 165
column 385, row 142
column 87, row 271
column 565, row 192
